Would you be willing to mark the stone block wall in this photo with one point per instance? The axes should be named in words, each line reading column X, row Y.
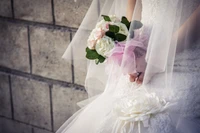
column 38, row 89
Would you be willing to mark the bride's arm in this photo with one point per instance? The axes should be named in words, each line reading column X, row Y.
column 190, row 27
column 131, row 6
column 130, row 9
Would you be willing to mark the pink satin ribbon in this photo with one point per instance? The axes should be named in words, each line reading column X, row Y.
column 126, row 54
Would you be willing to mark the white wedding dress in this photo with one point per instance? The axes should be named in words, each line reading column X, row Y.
column 97, row 117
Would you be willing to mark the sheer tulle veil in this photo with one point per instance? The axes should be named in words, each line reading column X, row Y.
column 172, row 28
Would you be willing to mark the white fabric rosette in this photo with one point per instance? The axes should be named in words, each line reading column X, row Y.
column 136, row 109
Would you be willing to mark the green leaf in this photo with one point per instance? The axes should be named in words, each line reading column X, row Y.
column 97, row 61
column 126, row 22
column 101, row 59
column 91, row 54
column 87, row 49
column 114, row 28
column 106, row 18
column 136, row 24
column 111, row 35
column 120, row 37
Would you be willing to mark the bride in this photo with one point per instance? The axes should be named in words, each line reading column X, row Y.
column 162, row 93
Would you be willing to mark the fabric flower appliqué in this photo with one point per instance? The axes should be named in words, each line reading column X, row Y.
column 137, row 108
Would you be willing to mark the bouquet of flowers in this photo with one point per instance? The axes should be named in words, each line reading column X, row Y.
column 106, row 35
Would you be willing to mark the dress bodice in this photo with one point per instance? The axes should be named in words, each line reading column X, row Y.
column 154, row 10
column 149, row 10
column 148, row 15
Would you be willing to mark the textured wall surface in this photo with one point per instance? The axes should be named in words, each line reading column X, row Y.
column 38, row 89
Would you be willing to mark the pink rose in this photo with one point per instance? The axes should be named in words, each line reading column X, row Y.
column 107, row 26
column 91, row 44
column 99, row 33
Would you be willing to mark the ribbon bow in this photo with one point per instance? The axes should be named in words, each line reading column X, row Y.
column 125, row 54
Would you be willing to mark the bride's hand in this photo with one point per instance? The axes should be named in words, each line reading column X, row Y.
column 137, row 77
column 141, row 66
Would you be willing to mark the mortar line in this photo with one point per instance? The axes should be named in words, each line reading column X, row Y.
column 29, row 48
column 11, row 97
column 39, row 24
column 12, row 8
column 32, row 129
column 72, row 60
column 41, row 78
column 53, row 12
column 51, row 106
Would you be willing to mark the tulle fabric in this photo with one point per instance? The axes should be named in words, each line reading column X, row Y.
column 164, row 38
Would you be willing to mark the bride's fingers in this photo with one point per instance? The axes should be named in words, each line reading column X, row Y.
column 140, row 78
column 133, row 77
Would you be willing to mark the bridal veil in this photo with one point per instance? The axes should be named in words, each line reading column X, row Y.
column 171, row 27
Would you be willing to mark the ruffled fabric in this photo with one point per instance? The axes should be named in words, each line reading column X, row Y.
column 132, row 53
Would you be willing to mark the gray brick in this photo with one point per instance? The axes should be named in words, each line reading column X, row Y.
column 48, row 46
column 37, row 130
column 31, row 102
column 33, row 10
column 5, row 8
column 71, row 13
column 5, row 104
column 65, row 103
column 14, row 46
column 10, row 126
column 79, row 75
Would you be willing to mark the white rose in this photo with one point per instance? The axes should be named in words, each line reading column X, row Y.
column 91, row 42
column 104, row 46
column 122, row 28
column 114, row 18
column 104, row 25
column 95, row 35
